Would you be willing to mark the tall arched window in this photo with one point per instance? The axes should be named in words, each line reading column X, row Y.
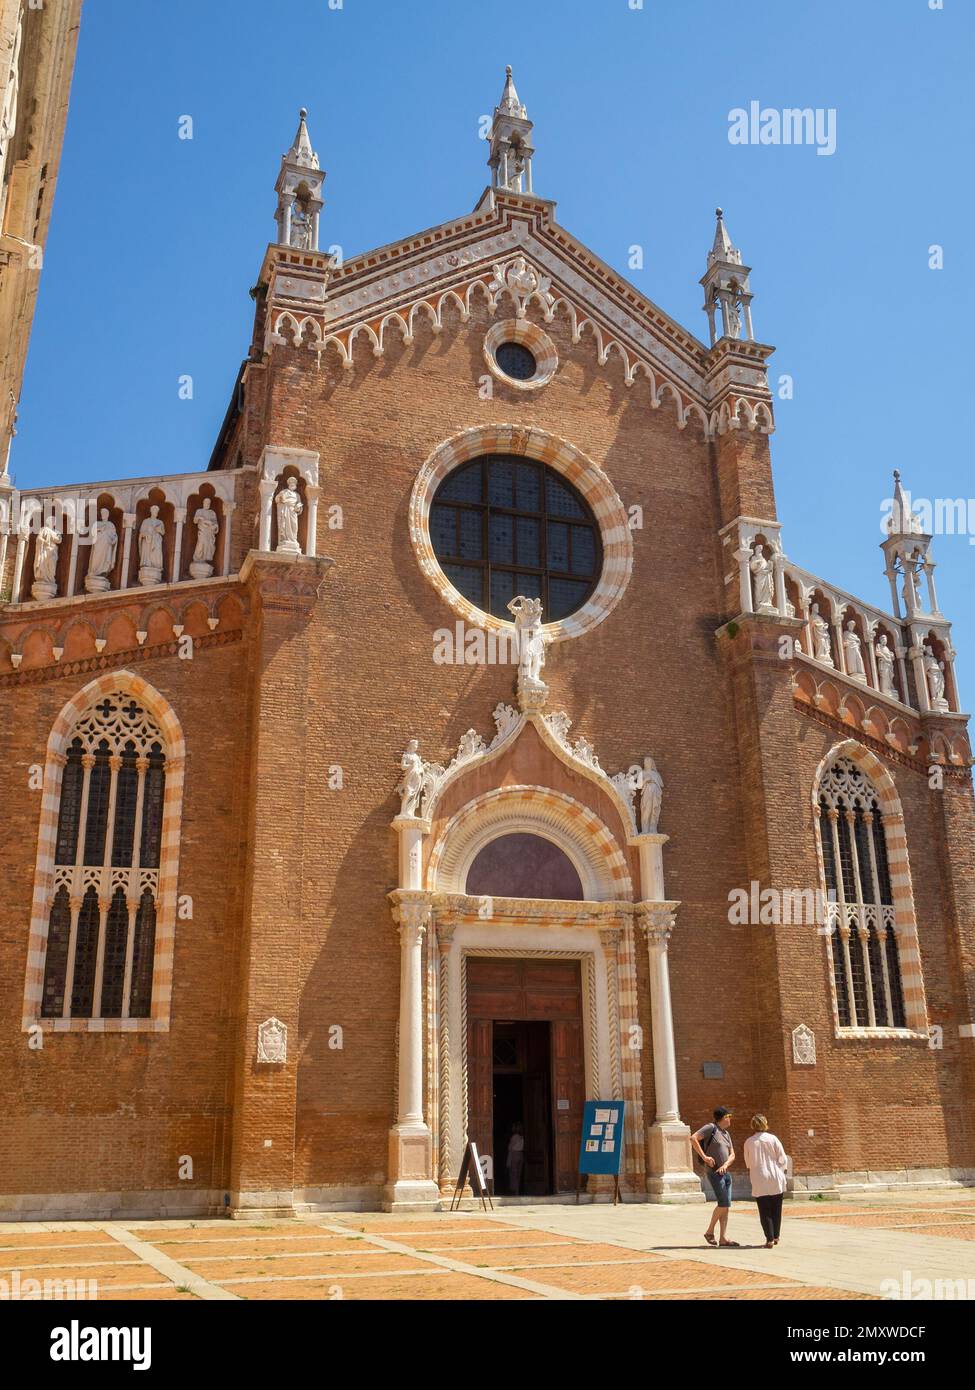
column 101, row 876
column 863, row 940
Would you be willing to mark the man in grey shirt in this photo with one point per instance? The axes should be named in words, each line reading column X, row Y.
column 714, row 1147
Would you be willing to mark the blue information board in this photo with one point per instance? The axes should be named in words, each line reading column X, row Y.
column 602, row 1137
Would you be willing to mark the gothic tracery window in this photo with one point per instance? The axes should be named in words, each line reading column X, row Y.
column 503, row 525
column 860, row 909
column 102, row 920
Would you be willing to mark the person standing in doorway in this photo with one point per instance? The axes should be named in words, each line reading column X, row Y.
column 767, row 1164
column 516, row 1158
column 714, row 1147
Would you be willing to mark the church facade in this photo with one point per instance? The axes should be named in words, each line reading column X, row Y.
column 460, row 745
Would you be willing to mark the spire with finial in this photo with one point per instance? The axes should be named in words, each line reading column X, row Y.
column 511, row 148
column 301, row 151
column 299, row 189
column 722, row 250
column 509, row 103
column 726, row 287
column 907, row 552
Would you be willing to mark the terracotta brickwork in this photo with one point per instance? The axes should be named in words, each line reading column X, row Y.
column 294, row 711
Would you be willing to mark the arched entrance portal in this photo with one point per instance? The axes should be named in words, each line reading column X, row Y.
column 519, row 928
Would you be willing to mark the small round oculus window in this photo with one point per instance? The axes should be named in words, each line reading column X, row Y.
column 516, row 361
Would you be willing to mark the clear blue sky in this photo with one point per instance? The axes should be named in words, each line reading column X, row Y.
column 156, row 240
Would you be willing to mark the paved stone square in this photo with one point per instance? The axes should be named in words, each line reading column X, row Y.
column 829, row 1249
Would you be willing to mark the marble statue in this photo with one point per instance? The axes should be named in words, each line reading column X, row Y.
column 527, row 613
column 46, row 563
column 151, row 534
column 885, row 667
column 820, row 632
column 852, row 646
column 411, row 787
column 301, row 228
column 101, row 562
column 763, row 580
column 651, row 796
column 935, row 672
column 207, row 523
column 289, row 507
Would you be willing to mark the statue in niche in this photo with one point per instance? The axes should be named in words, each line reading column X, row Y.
column 289, row 506
column 852, row 646
column 46, row 563
column 151, row 534
column 935, row 672
column 206, row 522
column 104, row 544
column 301, row 227
column 885, row 667
column 651, row 797
column 763, row 578
column 733, row 326
column 411, row 787
column 820, row 632
column 527, row 613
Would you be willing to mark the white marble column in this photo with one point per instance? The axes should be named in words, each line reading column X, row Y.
column 839, row 649
column 743, row 556
column 72, row 563
column 916, row 654
column 778, row 561
column 951, row 684
column 671, row 1175
column 128, row 524
column 179, row 515
column 15, row 594
column 267, row 497
column 312, row 494
column 932, row 594
column 410, row 1183
column 871, row 630
column 901, row 653
column 228, row 512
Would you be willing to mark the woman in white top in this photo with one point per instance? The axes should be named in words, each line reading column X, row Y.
column 766, row 1163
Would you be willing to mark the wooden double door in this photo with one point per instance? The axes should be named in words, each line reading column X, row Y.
column 526, row 1065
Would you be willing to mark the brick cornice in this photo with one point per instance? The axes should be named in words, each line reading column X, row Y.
column 111, row 660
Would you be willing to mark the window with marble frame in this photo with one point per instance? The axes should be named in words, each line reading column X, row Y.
column 861, row 911
column 104, row 901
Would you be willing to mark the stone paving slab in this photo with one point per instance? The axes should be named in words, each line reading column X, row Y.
column 458, row 1241
column 280, row 1266
column 432, row 1286
column 817, row 1253
column 959, row 1232
column 669, row 1275
column 514, row 1257
column 38, row 1240
column 829, row 1250
column 106, row 1276
column 796, row 1292
column 234, row 1249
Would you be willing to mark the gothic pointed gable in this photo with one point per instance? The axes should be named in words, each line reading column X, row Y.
column 511, row 253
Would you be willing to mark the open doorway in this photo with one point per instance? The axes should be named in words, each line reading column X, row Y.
column 522, row 1107
column 526, row 1065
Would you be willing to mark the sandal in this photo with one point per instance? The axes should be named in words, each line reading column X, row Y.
column 730, row 1245
column 710, row 1239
